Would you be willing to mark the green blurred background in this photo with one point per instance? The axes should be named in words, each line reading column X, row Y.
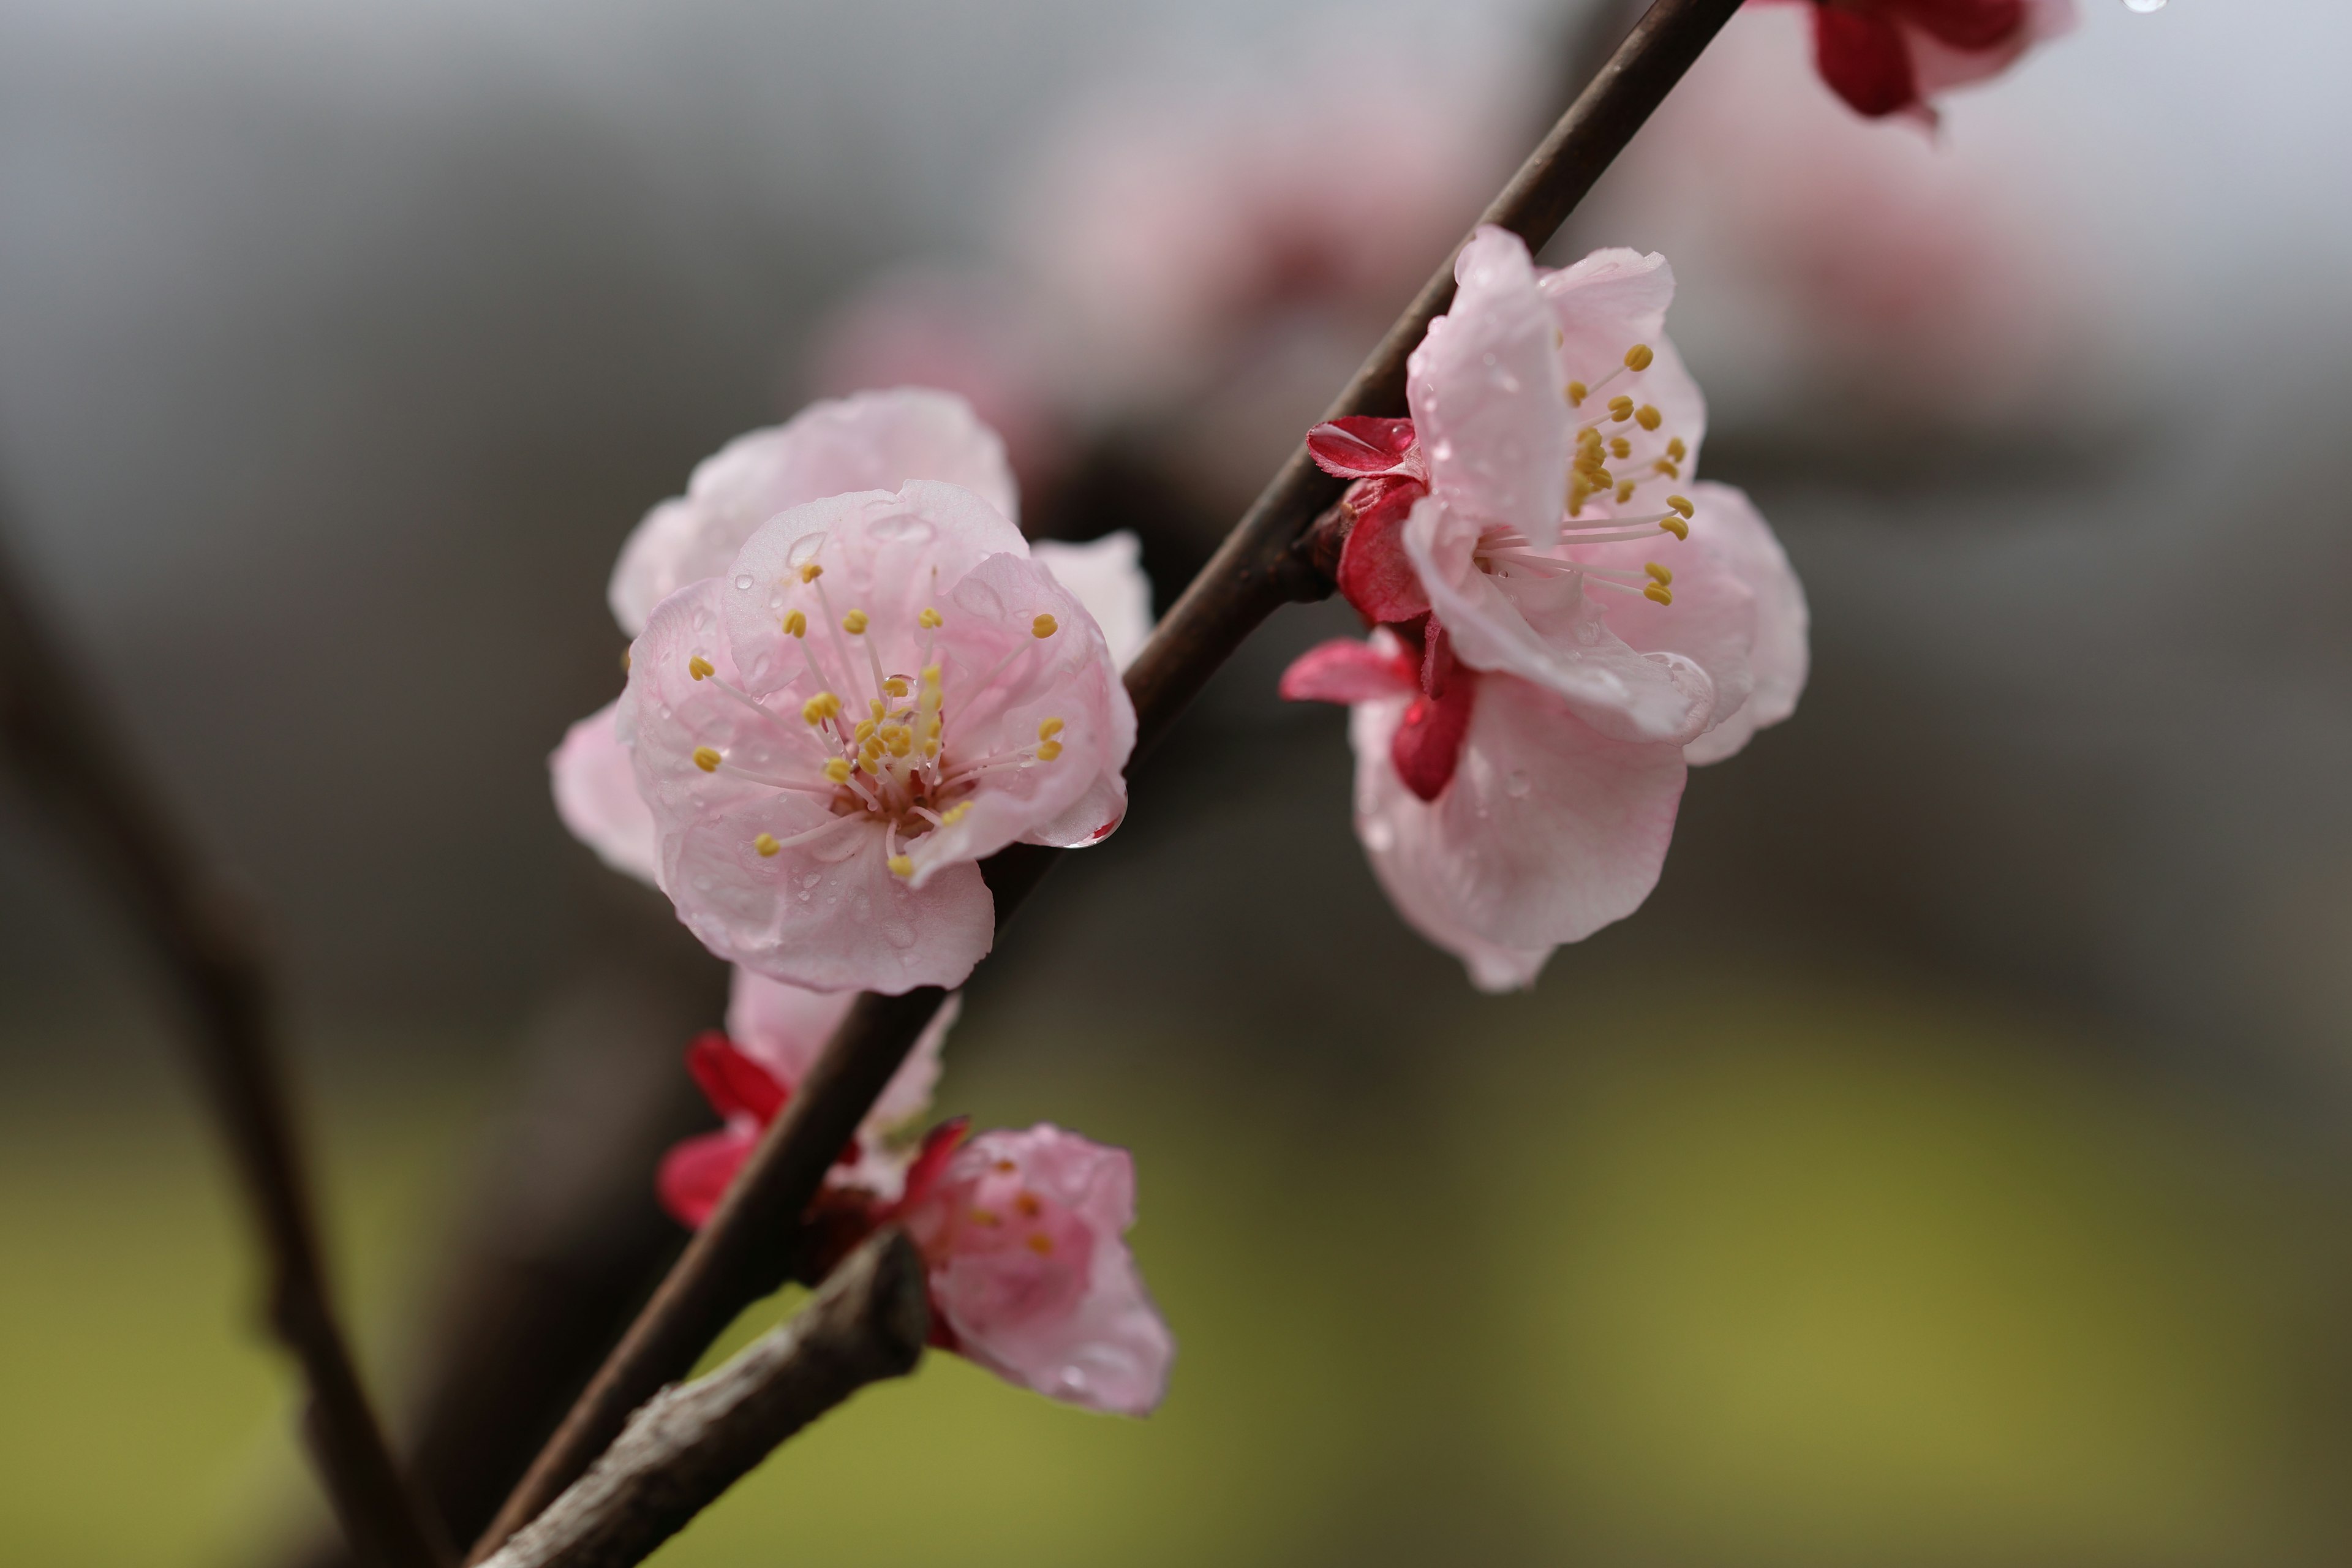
column 1791, row 1268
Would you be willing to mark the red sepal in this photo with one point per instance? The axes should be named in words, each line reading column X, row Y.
column 930, row 1161
column 1375, row 573
column 1359, row 445
column 1344, row 671
column 1972, row 24
column 733, row 1083
column 1862, row 58
column 696, row 1173
column 1427, row 746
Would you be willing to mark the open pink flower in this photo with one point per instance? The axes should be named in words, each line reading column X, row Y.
column 1891, row 57
column 881, row 689
column 1565, row 627
column 877, row 440
column 1024, row 1234
column 774, row 1034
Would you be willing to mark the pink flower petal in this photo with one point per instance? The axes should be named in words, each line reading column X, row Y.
column 1486, row 394
column 874, row 440
column 1548, row 831
column 596, row 796
column 1780, row 657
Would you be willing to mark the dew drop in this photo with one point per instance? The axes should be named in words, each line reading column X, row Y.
column 1378, row 836
column 903, row 529
column 1516, row 785
column 2145, row 6
column 742, row 582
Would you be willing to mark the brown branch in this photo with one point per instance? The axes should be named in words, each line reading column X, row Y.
column 51, row 727
column 746, row 1247
column 690, row 1444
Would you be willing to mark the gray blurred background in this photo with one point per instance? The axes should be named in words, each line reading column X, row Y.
column 2006, row 987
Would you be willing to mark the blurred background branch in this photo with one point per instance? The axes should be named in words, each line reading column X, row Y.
column 59, row 740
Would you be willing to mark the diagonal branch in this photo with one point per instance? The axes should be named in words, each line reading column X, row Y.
column 202, row 939
column 746, row 1247
column 689, row 1444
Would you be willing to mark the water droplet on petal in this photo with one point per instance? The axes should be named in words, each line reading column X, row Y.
column 2145, row 6
column 742, row 582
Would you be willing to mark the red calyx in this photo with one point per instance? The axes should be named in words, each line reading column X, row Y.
column 1971, row 25
column 1862, row 58
column 1427, row 747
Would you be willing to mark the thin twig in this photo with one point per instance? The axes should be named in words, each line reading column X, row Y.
column 51, row 727
column 689, row 1444
column 746, row 1247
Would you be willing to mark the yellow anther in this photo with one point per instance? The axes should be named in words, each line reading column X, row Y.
column 766, row 845
column 1041, row 1244
column 811, row 571
column 1624, row 491
column 839, row 770
column 1576, row 392
column 1621, row 408
column 1579, row 492
column 1638, row 357
column 932, row 674
column 928, row 620
column 1648, row 417
column 1558, row 338
column 1658, row 572
column 1668, row 467
column 901, row 867
column 1676, row 526
column 624, row 661
column 1029, row 1204
column 796, row 624
column 864, row 731
column 820, row 708
column 1048, row 729
column 1682, row 504
column 955, row 814
column 706, row 759
column 698, row 667
column 1044, row 626
column 1588, row 440
column 853, row 623
column 931, row 726
column 879, row 708
column 896, row 686
column 1676, row 450
column 1618, row 447
column 930, row 750
column 1658, row 593
column 986, row 1216
column 1048, row 750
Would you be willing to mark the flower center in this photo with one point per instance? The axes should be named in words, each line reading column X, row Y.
column 1647, row 457
column 896, row 766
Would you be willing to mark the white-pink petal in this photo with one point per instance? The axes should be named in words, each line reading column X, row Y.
column 1548, row 831
column 1780, row 657
column 595, row 790
column 873, row 441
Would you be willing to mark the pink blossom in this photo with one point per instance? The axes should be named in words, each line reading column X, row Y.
column 874, row 440
column 880, row 690
column 774, row 1035
column 1566, row 627
column 1891, row 57
column 1024, row 1234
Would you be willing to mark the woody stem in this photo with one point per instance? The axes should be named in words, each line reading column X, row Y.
column 746, row 1247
